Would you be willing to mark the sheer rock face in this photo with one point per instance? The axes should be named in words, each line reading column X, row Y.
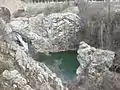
column 97, row 61
column 55, row 32
column 94, row 68
column 19, row 71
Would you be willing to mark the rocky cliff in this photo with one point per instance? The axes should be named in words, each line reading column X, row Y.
column 23, row 37
column 94, row 70
column 53, row 33
column 18, row 71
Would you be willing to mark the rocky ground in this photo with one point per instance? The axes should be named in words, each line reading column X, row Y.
column 18, row 71
column 23, row 37
column 94, row 71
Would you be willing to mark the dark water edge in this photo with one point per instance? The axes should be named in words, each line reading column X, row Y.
column 64, row 64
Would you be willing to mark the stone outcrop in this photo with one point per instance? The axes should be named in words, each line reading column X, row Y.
column 96, row 60
column 94, row 70
column 55, row 32
column 15, row 77
column 19, row 71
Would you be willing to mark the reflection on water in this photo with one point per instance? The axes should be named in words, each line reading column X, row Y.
column 64, row 64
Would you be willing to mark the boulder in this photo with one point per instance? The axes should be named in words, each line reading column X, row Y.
column 93, row 71
column 55, row 32
column 97, row 59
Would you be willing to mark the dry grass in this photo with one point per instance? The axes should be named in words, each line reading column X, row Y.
column 46, row 8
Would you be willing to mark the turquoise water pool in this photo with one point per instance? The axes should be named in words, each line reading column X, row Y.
column 64, row 64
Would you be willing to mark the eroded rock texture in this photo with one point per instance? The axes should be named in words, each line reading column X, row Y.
column 96, row 59
column 55, row 32
column 93, row 72
column 18, row 71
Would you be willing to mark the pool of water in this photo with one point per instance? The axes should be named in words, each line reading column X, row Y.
column 64, row 64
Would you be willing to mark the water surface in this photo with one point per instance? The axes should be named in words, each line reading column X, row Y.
column 64, row 64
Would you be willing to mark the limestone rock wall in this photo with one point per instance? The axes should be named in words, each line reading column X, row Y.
column 55, row 32
column 19, row 71
column 94, row 70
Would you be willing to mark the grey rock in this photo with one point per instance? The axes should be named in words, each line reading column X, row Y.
column 97, row 61
column 15, row 77
column 55, row 32
column 19, row 71
column 94, row 68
